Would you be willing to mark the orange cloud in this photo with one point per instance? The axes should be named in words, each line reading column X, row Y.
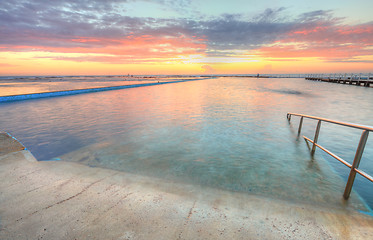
column 329, row 42
column 143, row 48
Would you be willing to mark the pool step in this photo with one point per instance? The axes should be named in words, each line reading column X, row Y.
column 9, row 144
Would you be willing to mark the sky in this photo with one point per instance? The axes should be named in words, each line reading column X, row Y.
column 120, row 37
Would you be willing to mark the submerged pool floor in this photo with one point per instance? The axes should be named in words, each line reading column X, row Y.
column 62, row 200
column 312, row 181
column 226, row 133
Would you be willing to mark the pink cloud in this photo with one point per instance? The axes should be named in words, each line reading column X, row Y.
column 208, row 69
column 326, row 41
column 145, row 48
column 7, row 65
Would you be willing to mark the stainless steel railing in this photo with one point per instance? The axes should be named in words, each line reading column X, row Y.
column 359, row 152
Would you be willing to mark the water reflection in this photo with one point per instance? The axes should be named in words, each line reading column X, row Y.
column 30, row 85
column 228, row 133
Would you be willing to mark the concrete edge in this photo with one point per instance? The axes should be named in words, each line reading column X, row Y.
column 21, row 97
column 29, row 157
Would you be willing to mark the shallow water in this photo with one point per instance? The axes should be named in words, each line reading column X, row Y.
column 228, row 133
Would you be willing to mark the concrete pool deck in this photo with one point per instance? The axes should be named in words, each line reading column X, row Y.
column 65, row 200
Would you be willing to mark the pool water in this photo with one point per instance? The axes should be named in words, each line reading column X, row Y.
column 28, row 85
column 228, row 133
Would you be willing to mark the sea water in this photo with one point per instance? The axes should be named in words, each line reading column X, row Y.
column 229, row 133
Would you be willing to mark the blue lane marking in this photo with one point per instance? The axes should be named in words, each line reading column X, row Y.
column 51, row 160
column 366, row 213
column 10, row 135
column 80, row 91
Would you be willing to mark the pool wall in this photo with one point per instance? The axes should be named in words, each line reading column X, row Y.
column 80, row 91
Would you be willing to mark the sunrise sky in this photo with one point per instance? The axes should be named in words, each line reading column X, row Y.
column 94, row 37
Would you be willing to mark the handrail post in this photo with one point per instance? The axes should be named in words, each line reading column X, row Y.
column 355, row 164
column 316, row 137
column 300, row 125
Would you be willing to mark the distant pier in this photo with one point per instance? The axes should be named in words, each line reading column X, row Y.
column 351, row 79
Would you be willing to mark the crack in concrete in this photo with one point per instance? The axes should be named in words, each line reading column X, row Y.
column 64, row 183
column 34, row 189
column 118, row 202
column 23, row 178
column 25, row 175
column 191, row 210
column 64, row 200
column 79, row 193
column 187, row 220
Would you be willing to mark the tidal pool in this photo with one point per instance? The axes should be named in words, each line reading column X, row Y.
column 229, row 133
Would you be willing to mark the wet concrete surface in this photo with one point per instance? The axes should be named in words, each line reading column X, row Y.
column 65, row 200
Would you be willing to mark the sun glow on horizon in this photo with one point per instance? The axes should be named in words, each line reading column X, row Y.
column 83, row 40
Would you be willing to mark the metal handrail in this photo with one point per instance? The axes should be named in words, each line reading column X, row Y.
column 353, row 125
column 359, row 152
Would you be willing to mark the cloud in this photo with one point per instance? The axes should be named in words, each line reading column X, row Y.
column 322, row 36
column 352, row 60
column 38, row 22
column 102, row 27
column 132, row 49
column 7, row 65
column 208, row 69
column 233, row 32
column 267, row 68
